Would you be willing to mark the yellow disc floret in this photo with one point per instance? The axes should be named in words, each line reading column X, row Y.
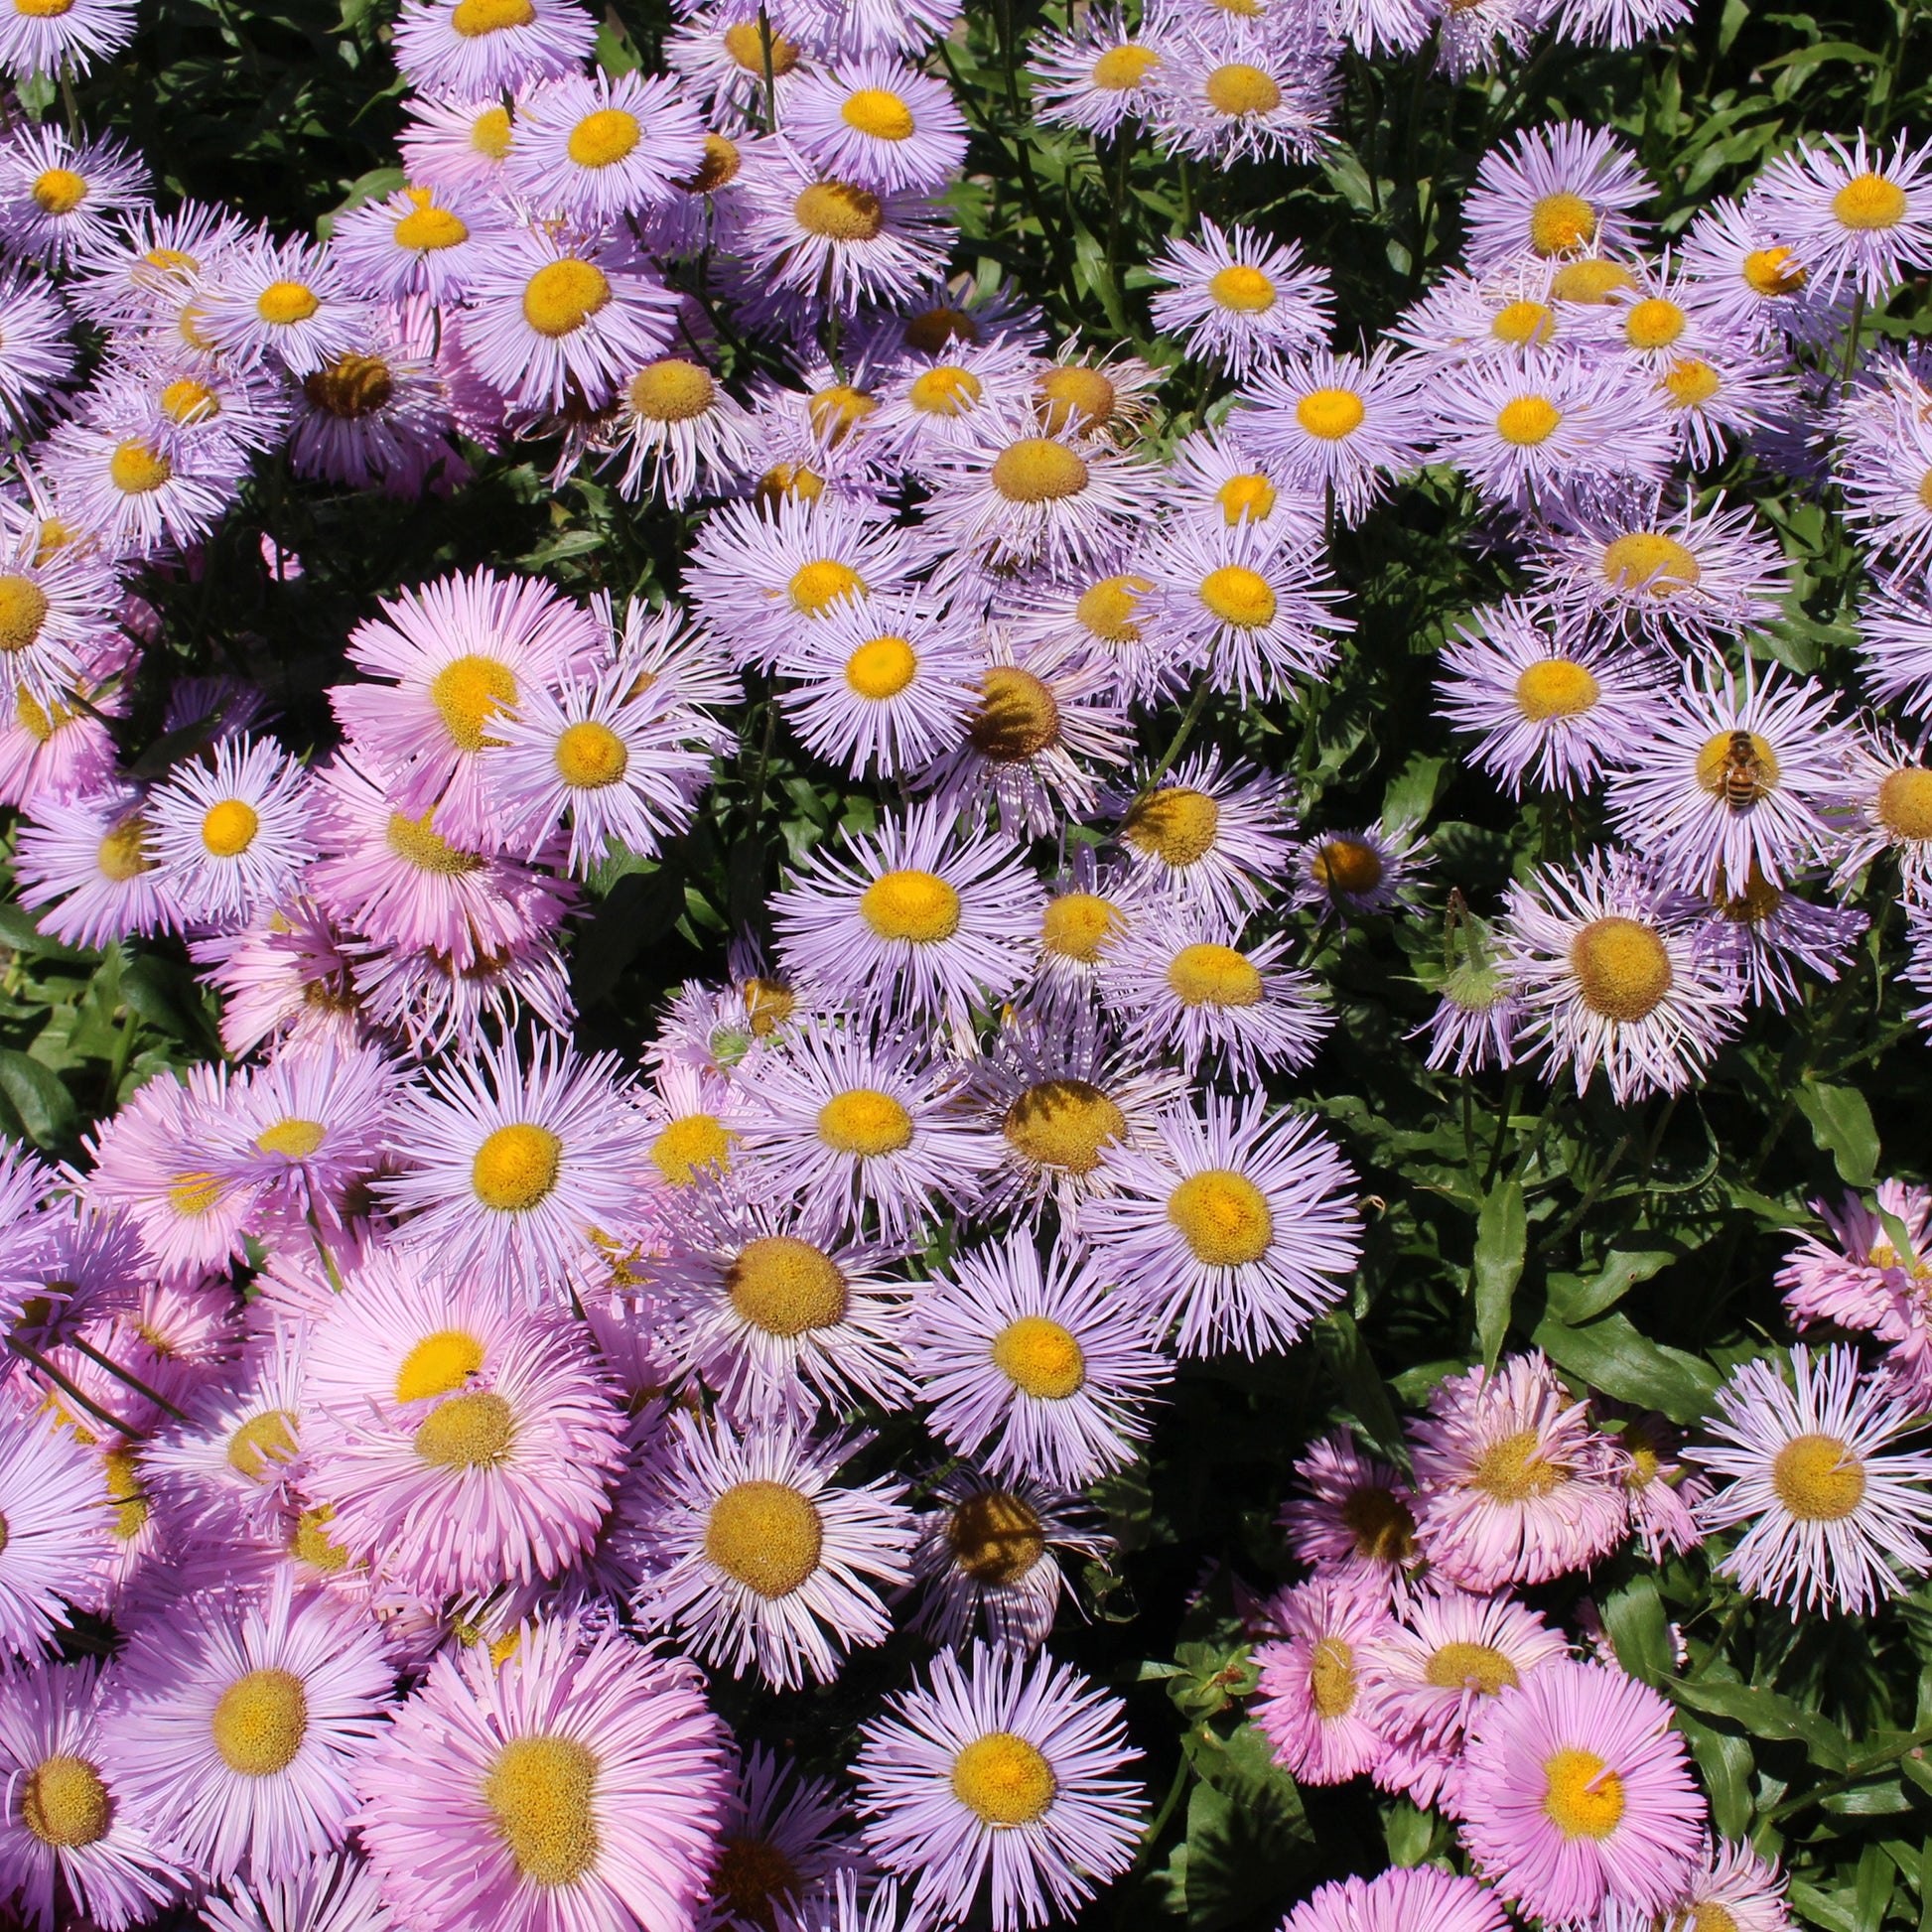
column 259, row 1721
column 766, row 1536
column 516, row 1167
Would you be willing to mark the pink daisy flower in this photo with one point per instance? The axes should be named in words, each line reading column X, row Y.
column 231, row 838
column 1320, row 1702
column 56, row 1556
column 1351, row 1513
column 1864, row 1280
column 781, row 1846
column 1587, row 1799
column 1398, row 1901
column 473, row 48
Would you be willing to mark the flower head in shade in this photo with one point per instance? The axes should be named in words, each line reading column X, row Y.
column 334, row 1893
column 777, row 1310
column 986, row 1558
column 1345, row 424
column 1236, row 1227
column 1319, row 1703
column 779, row 1846
column 1860, row 1280
column 1852, row 215
column 1240, row 300
column 90, row 862
column 1609, row 975
column 56, row 632
column 862, row 1119
column 1830, row 1515
column 233, row 1727
column 1350, row 1514
column 1730, row 1881
column 1001, row 1774
column 1762, row 936
column 1216, row 839
column 436, row 1006
column 1095, row 76
column 1361, row 872
column 1664, row 1490
column 1544, row 710
column 230, row 837
column 64, row 1835
column 57, row 754
column 56, row 1556
column 59, row 196
column 316, row 1122
column 1587, row 1796
column 40, row 40
column 475, row 48
column 1040, row 1372
column 592, row 149
column 1400, row 1899
column 1513, row 1486
column 878, row 122
column 579, row 1782
column 511, row 1167
column 1733, row 777
column 760, row 1560
column 1554, row 191
column 911, row 920
column 379, row 417
column 461, row 1441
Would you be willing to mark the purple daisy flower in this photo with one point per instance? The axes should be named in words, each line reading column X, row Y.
column 56, row 1557
column 1852, row 215
column 1554, row 191
column 58, row 196
column 1095, row 76
column 1239, row 300
column 39, row 42
column 781, row 1848
column 1320, row 1704
column 471, row 49
column 1423, row 1894
column 1344, row 425
column 879, row 123
column 230, row 839
column 1357, row 873
column 593, row 149
column 1351, row 1515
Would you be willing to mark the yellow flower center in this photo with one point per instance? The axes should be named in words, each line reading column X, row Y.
column 1817, row 1478
column 589, row 756
column 1560, row 222
column 786, row 1287
column 864, row 1122
column 189, row 402
column 489, row 133
column 1077, row 926
column 1524, row 325
column 932, row 330
column 439, row 1365
column 1107, row 608
column 671, row 391
column 562, row 296
column 913, row 905
column 949, row 391
column 121, row 1474
column 1589, row 283
column 42, row 9
column 769, row 1004
column 602, row 139
column 135, row 470
column 123, row 854
column 425, row 230
column 1870, row 200
column 1555, row 688
column 1003, row 1780
column 1209, row 975
column 1512, row 1471
column 23, row 609
column 470, row 691
column 1041, row 1358
column 876, row 112
column 1239, row 596
column 1330, row 415
column 881, row 668
column 283, row 304
column 1740, row 766
column 1621, row 968
column 745, row 46
column 820, row 585
column 1332, row 1684
column 838, row 212
column 1381, row 1524
column 1122, row 68
column 1176, row 824
column 59, row 191
column 1063, row 1124
column 64, row 1803
column 1239, row 88
column 1462, row 1666
column 1223, row 1218
column 516, row 1167
column 996, row 1539
column 193, row 1194
column 260, row 1723
column 1524, row 421
column 766, row 1536
column 34, row 717
column 1018, row 719
column 1653, row 323
column 1072, row 392
column 1245, row 290
column 1348, row 868
column 1904, row 802
column 1771, row 272
column 412, row 841
column 1037, row 470
column 261, row 1444
column 1691, row 383
column 542, row 1797
column 228, row 828
column 687, row 1143
column 720, row 164
column 1649, row 561
column 1583, row 1797
column 351, row 387
column 1246, row 497
column 467, row 1432
column 835, row 411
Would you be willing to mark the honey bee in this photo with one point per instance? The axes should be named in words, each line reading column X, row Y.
column 1744, row 776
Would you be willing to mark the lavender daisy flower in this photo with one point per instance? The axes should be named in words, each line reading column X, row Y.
column 1350, row 1514
column 1884, row 804
column 1549, row 712
column 56, row 1557
column 1554, row 191
column 59, row 197
column 1219, row 479
column 133, row 489
column 37, row 329
column 1236, row 1228
column 1729, row 1878
column 912, row 915
column 1240, row 301
column 476, row 48
column 999, row 1775
column 508, row 1167
column 334, row 1893
column 679, row 431
column 930, row 403
column 418, row 241
column 91, row 860
column 318, row 1122
column 291, row 300
column 550, row 316
column 1036, row 1373
column 1733, row 780
column 591, row 150
column 1883, row 462
column 1833, row 1517
column 1852, row 215
column 1095, row 76
column 380, row 418
column 1320, row 1704
column 1422, row 1894
column 1477, row 1012
column 1742, row 274
column 229, row 840
column 1357, row 873
column 879, row 123
column 1609, row 975
column 781, row 1848
column 1713, row 403
column 1762, row 935
column 449, row 146
column 583, row 1778
column 759, row 1559
column 40, row 40
column 232, row 1730
column 1347, row 425
column 1224, row 94
column 1664, row 1490
column 54, row 617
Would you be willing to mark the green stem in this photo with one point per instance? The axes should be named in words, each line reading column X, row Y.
column 1176, row 745
column 35, row 1359
column 128, row 1376
column 1862, row 1768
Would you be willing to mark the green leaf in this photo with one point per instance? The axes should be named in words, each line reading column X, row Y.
column 1728, row 1769
column 642, row 908
column 1612, row 1355
column 1829, row 1910
column 18, row 930
column 1249, row 1846
column 40, row 1098
column 1363, row 1387
column 1766, row 1714
column 1414, row 790
column 1841, row 1124
column 1634, row 1618
column 1576, row 1299
column 1502, row 1233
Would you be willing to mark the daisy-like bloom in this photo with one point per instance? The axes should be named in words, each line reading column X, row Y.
column 721, row 56
column 450, row 657
column 827, row 240
column 1351, row 1515
column 52, row 614
column 1895, row 645
column 1236, row 1227
column 1512, row 1483
column 229, row 840
column 57, row 1551
column 1711, row 403
column 884, row 685
column 592, row 149
column 679, row 431
column 450, row 146
column 928, row 403
column 760, row 1560
column 986, row 1558
column 1554, row 191
column 377, row 418
column 1683, row 576
column 914, row 915
column 41, row 39
column 999, row 1775
column 1883, row 470
column 777, row 1310
column 682, row 1112
column 1440, row 1662
column 1664, row 1491
column 552, row 316
column 1221, row 93
column 1745, row 275
column 1036, row 1373
column 509, row 1167
column 419, row 241
column 1730, row 1880
column 471, row 49
column 459, row 1441
column 1586, row 1795
column 59, row 197
column 878, row 124
column 232, row 1728
column 1397, row 1900
column 54, row 752
column 64, row 1837
column 628, row 765
column 1177, row 979
column 1018, row 492
column 1549, row 712
column 91, row 860
column 1319, row 1702
column 1761, row 934
column 1834, row 1519
column 334, row 1893
column 1733, row 778
column 583, row 1778
column 1608, row 975
column 1095, row 76
column 1219, row 479
column 1093, row 616
column 1619, row 22
column 1043, row 724
column 1240, row 301
column 132, row 489
column 1345, row 424
column 1104, row 396
column 41, row 356
column 1236, row 604
column 1863, row 1283
column 1852, row 215
column 780, row 1848
column 288, row 300
column 317, row 1122
column 437, row 1007
column 1357, row 874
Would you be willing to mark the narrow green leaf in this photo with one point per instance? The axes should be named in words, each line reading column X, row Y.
column 1502, row 1232
column 39, row 1097
column 1766, row 1714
